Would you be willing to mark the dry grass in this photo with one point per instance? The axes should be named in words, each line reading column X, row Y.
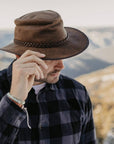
column 100, row 85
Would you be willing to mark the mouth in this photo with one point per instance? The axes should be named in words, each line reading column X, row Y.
column 55, row 73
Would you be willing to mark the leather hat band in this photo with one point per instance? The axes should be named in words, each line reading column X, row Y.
column 41, row 45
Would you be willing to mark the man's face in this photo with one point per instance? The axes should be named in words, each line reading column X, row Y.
column 51, row 75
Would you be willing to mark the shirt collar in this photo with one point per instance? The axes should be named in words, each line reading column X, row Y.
column 50, row 86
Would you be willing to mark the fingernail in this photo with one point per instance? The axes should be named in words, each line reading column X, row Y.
column 43, row 55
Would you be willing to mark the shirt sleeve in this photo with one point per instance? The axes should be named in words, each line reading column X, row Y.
column 11, row 116
column 88, row 134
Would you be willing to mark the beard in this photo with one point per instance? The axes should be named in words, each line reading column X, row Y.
column 49, row 78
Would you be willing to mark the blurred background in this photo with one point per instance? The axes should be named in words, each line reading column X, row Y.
column 94, row 67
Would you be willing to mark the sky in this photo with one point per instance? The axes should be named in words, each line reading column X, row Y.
column 80, row 13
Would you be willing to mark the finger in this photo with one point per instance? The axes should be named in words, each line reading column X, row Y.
column 35, row 59
column 23, row 68
column 39, row 73
column 31, row 79
column 31, row 71
column 30, row 52
column 38, row 70
column 28, row 65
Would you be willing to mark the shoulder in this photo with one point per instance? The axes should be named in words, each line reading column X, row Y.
column 69, row 82
column 78, row 91
column 4, row 85
column 75, row 87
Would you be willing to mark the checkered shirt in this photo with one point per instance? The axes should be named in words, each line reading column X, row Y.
column 60, row 114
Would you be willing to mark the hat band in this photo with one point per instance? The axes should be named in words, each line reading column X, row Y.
column 41, row 45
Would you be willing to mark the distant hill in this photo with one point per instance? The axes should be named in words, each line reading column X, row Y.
column 98, row 55
column 6, row 37
column 100, row 85
column 101, row 43
column 83, row 64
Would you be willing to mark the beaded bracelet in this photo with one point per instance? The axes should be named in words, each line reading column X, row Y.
column 15, row 99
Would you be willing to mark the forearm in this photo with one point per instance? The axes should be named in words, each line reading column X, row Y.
column 11, row 116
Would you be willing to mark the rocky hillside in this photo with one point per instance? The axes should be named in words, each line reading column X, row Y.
column 100, row 85
column 98, row 55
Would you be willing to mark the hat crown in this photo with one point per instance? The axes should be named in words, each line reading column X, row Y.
column 38, row 17
column 40, row 26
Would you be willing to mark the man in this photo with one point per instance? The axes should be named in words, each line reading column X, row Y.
column 38, row 105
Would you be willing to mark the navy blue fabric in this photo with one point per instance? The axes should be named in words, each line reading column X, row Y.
column 60, row 114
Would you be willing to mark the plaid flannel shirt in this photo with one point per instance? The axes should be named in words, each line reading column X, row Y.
column 60, row 114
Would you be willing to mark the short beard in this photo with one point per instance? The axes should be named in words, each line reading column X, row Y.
column 40, row 80
column 45, row 79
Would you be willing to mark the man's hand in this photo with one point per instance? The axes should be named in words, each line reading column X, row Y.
column 25, row 69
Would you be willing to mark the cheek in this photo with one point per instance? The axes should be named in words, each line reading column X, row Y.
column 50, row 64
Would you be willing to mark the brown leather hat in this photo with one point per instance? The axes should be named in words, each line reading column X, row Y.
column 43, row 31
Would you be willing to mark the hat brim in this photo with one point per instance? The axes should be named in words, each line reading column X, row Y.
column 76, row 43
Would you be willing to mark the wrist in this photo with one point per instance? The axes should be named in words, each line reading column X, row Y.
column 17, row 101
column 21, row 106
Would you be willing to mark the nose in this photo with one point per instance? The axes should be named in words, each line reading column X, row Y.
column 59, row 64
